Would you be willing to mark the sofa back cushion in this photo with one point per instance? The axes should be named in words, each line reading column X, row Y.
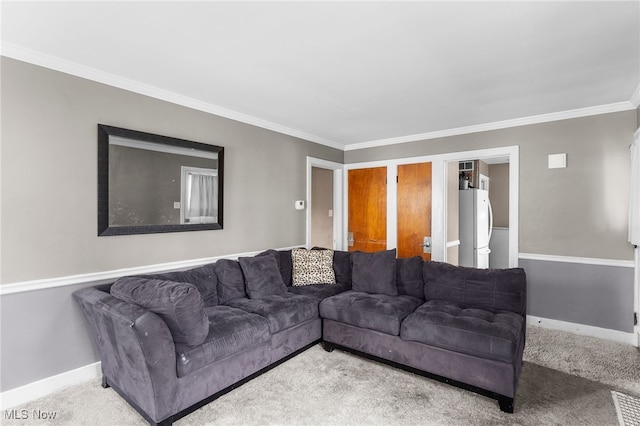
column 374, row 273
column 262, row 276
column 496, row 289
column 283, row 257
column 286, row 266
column 178, row 304
column 342, row 266
column 230, row 280
column 409, row 277
column 203, row 277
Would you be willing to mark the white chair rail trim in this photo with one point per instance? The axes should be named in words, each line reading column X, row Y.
column 106, row 276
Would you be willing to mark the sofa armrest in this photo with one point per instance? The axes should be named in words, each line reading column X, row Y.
column 137, row 351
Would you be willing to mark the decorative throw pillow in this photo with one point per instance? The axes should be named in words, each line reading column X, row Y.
column 374, row 273
column 178, row 304
column 203, row 277
column 262, row 276
column 312, row 267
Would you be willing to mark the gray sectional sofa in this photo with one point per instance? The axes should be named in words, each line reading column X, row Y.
column 170, row 343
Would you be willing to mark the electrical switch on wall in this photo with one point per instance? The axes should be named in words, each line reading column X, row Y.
column 300, row 205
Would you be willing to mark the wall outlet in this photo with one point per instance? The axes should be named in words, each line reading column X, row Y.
column 176, row 205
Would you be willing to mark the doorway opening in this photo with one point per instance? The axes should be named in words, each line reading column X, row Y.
column 491, row 175
column 321, row 207
column 324, row 204
column 493, row 170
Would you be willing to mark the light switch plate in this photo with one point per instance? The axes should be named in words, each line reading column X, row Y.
column 557, row 161
column 299, row 205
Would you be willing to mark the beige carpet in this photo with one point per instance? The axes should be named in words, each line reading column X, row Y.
column 566, row 380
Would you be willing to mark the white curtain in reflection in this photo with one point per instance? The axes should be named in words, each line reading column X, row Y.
column 202, row 190
column 634, row 194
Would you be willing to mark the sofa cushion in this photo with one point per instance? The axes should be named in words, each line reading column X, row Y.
column 479, row 332
column 379, row 312
column 231, row 330
column 178, row 304
column 286, row 266
column 271, row 252
column 320, row 291
column 262, row 276
column 203, row 277
column 374, row 272
column 312, row 267
column 281, row 310
column 342, row 266
column 409, row 276
column 230, row 280
column 498, row 289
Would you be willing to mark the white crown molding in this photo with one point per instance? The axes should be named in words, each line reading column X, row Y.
column 37, row 58
column 580, row 260
column 516, row 122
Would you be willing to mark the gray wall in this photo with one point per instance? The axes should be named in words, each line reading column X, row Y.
column 43, row 334
column 49, row 204
column 578, row 211
column 49, row 158
column 499, row 194
column 596, row 295
column 562, row 211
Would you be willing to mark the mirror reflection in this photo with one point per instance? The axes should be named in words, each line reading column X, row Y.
column 151, row 183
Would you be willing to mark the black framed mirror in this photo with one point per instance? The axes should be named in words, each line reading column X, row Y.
column 149, row 183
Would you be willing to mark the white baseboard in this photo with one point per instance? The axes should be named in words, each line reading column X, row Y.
column 583, row 330
column 35, row 390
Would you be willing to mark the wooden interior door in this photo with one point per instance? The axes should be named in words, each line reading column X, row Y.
column 414, row 209
column 367, row 209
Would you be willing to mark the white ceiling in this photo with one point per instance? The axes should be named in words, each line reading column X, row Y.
column 348, row 74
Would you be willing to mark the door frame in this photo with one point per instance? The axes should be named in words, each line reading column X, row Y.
column 439, row 195
column 338, row 211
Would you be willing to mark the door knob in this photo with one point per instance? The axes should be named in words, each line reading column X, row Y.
column 426, row 244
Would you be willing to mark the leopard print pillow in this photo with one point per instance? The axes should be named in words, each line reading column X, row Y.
column 312, row 267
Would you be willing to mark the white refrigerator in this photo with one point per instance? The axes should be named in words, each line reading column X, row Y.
column 476, row 223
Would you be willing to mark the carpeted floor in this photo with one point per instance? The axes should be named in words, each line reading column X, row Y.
column 567, row 380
